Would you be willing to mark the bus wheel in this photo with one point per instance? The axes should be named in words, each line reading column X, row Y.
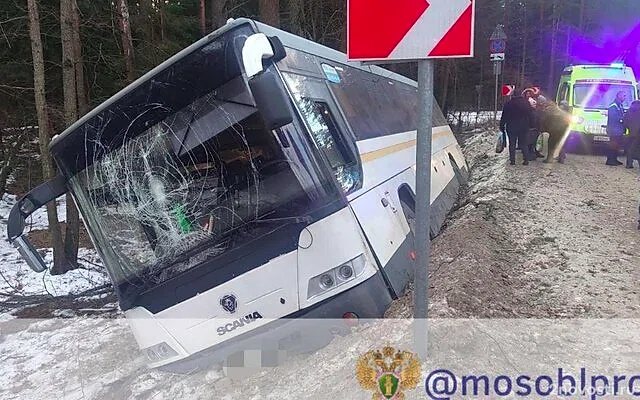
column 456, row 171
column 410, row 214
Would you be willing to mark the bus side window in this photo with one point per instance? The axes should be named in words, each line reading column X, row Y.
column 330, row 141
column 335, row 149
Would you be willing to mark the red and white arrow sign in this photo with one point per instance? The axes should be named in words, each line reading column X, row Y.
column 507, row 90
column 409, row 29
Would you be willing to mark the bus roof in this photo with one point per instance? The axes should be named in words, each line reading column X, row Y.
column 600, row 72
column 288, row 40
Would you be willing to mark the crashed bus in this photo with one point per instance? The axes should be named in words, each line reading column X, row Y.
column 252, row 179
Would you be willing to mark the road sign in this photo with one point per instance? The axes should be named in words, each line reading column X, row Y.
column 497, row 57
column 498, row 46
column 507, row 90
column 379, row 30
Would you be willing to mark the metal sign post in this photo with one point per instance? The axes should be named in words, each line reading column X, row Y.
column 497, row 70
column 498, row 47
column 380, row 31
column 479, row 91
column 423, row 203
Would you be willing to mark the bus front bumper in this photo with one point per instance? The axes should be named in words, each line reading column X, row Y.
column 302, row 332
column 586, row 142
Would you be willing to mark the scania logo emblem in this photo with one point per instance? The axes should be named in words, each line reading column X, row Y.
column 229, row 303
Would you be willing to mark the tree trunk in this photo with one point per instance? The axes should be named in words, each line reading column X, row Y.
column 218, row 13
column 122, row 13
column 270, row 12
column 524, row 47
column 10, row 161
column 59, row 261
column 203, row 18
column 554, row 39
column 446, row 73
column 81, row 89
column 69, row 88
column 343, row 30
column 296, row 17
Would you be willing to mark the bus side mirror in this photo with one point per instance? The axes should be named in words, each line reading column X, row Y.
column 26, row 206
column 29, row 253
column 266, row 87
column 271, row 100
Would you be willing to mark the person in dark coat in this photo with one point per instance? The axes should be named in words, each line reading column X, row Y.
column 631, row 122
column 538, row 103
column 615, row 128
column 517, row 119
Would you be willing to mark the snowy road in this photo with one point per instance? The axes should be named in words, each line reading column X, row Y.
column 540, row 241
column 531, row 243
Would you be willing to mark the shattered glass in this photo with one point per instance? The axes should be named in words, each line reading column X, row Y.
column 190, row 187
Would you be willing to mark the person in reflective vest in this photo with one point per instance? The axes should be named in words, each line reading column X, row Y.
column 615, row 128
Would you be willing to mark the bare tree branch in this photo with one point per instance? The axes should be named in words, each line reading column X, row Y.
column 15, row 87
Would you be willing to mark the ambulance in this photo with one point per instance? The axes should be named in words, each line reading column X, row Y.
column 589, row 90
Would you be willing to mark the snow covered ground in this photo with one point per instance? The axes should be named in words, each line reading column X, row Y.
column 471, row 118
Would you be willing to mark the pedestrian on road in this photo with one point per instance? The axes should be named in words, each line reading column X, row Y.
column 632, row 123
column 539, row 104
column 517, row 119
column 615, row 128
column 556, row 122
column 534, row 131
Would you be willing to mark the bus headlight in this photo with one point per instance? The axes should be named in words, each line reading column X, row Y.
column 326, row 281
column 345, row 272
column 159, row 352
column 336, row 277
column 576, row 119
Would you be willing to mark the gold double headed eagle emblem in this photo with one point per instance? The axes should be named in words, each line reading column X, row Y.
column 388, row 373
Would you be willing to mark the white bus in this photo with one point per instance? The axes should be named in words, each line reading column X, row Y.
column 252, row 179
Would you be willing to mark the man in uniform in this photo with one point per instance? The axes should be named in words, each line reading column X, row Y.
column 517, row 119
column 615, row 128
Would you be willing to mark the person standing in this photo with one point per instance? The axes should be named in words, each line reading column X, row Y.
column 631, row 122
column 556, row 123
column 615, row 128
column 517, row 119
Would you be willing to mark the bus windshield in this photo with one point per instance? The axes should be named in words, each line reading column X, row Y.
column 600, row 95
column 192, row 185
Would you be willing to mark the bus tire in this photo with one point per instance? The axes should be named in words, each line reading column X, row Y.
column 409, row 210
column 456, row 170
